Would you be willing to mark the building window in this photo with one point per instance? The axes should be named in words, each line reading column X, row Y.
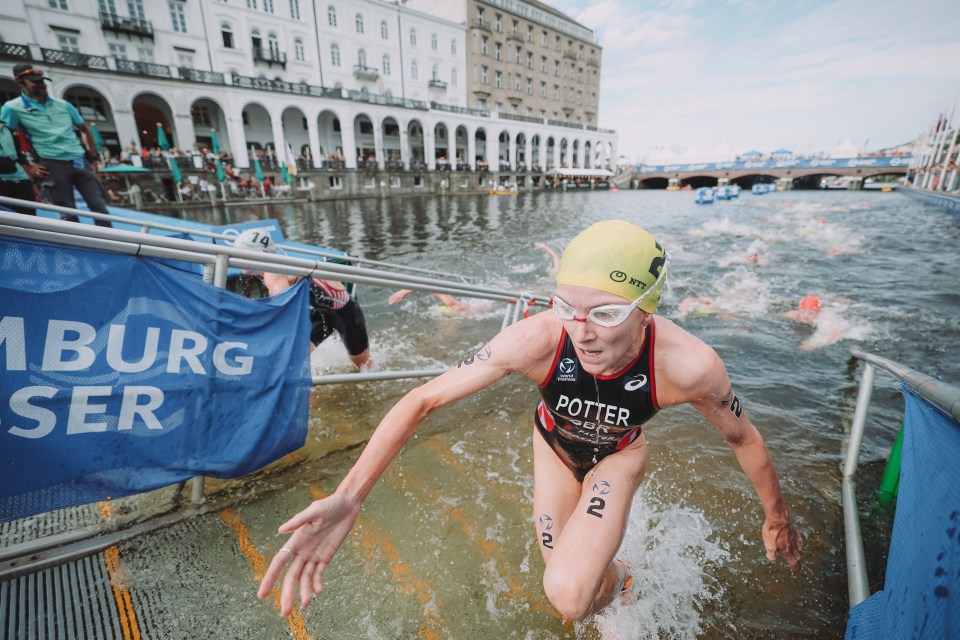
column 453, row 78
column 496, row 22
column 556, row 43
column 482, row 104
column 484, row 77
column 335, row 55
column 227, row 34
column 386, row 65
column 497, row 51
column 145, row 54
column 58, row 4
column 497, row 79
column 185, row 59
column 295, row 9
column 516, row 82
column 453, row 46
column 251, row 4
column 556, row 68
column 433, row 41
column 362, row 58
column 268, row 6
column 359, row 23
column 543, row 38
column 331, row 16
column 484, row 46
column 413, row 37
column 529, row 86
column 118, row 51
column 543, row 64
column 384, row 32
column 543, row 89
column 135, row 9
column 108, row 6
column 479, row 16
column 177, row 17
column 434, row 74
column 529, row 33
column 529, row 60
column 556, row 92
column 413, row 70
column 298, row 50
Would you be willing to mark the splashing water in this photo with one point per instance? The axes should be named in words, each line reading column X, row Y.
column 672, row 553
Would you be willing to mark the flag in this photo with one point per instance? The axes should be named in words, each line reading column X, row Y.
column 291, row 161
column 214, row 141
column 97, row 138
column 162, row 141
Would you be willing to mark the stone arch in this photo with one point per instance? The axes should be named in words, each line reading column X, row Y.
column 207, row 115
column 95, row 109
column 366, row 143
column 331, row 139
column 258, row 133
column 149, row 110
column 416, row 144
column 480, row 158
column 442, row 143
column 296, row 134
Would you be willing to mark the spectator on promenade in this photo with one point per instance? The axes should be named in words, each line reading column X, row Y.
column 14, row 181
column 332, row 308
column 52, row 125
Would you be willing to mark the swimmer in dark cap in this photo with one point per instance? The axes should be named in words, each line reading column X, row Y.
column 604, row 365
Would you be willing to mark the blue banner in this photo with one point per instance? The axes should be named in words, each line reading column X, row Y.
column 921, row 589
column 785, row 163
column 119, row 375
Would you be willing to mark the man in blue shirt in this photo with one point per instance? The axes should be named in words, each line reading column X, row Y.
column 14, row 181
column 64, row 161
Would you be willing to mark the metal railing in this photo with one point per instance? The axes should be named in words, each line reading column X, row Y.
column 124, row 24
column 944, row 396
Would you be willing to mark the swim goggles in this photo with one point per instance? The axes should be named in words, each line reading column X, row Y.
column 607, row 315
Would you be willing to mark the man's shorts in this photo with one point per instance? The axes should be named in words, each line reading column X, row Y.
column 348, row 321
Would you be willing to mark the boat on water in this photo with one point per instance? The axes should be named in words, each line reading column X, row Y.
column 705, row 195
column 503, row 191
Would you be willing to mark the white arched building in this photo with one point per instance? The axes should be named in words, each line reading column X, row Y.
column 357, row 83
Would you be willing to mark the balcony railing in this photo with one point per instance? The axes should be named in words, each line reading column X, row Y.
column 436, row 106
column 10, row 50
column 363, row 72
column 270, row 56
column 390, row 101
column 298, row 88
column 196, row 75
column 480, row 24
column 123, row 24
column 520, row 118
column 143, row 68
column 515, row 36
column 561, row 123
column 593, row 62
column 437, row 84
column 69, row 58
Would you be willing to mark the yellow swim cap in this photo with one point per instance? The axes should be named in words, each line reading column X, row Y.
column 618, row 257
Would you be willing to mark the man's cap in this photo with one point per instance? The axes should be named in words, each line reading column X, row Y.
column 255, row 240
column 26, row 70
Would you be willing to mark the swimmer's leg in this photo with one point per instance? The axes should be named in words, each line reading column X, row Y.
column 584, row 526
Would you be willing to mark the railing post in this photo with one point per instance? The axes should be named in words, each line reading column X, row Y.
column 858, row 586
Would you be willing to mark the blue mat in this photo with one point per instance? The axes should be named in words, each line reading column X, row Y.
column 921, row 595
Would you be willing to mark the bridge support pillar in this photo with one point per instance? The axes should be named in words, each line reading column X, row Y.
column 786, row 184
column 855, row 184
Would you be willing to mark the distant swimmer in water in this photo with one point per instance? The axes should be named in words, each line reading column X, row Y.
column 829, row 325
column 553, row 256
column 807, row 310
column 604, row 365
column 449, row 302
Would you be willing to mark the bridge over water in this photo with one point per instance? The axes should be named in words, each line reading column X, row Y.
column 803, row 173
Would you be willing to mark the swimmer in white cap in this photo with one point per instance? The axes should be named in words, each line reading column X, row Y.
column 604, row 365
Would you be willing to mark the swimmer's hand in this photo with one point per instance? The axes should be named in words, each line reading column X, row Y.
column 318, row 531
column 783, row 539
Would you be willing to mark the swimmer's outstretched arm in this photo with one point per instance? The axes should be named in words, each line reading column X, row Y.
column 319, row 530
column 709, row 390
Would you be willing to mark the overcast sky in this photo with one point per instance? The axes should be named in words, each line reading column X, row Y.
column 763, row 74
